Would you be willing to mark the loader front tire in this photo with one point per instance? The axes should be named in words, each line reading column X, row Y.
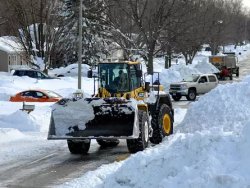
column 79, row 147
column 139, row 144
column 107, row 143
column 162, row 124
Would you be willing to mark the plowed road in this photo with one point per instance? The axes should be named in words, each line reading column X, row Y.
column 56, row 166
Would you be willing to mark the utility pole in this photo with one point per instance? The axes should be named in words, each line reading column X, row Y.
column 245, row 30
column 80, row 47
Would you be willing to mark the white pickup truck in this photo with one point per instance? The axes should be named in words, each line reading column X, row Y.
column 198, row 84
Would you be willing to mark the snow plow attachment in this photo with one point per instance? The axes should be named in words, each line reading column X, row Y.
column 93, row 118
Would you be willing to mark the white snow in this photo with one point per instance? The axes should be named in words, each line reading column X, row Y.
column 10, row 44
column 9, row 134
column 17, row 120
column 210, row 146
column 72, row 113
column 70, row 70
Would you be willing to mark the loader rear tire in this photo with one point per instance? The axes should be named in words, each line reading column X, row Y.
column 162, row 124
column 81, row 147
column 107, row 143
column 139, row 144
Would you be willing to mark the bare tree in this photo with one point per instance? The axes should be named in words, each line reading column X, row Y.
column 236, row 28
column 5, row 28
column 122, row 29
column 222, row 22
column 192, row 32
column 149, row 19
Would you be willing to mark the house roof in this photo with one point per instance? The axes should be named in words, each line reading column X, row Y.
column 10, row 44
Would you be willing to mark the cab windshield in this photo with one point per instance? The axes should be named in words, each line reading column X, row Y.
column 114, row 77
column 192, row 78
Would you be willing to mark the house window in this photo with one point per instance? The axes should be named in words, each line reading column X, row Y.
column 18, row 60
column 12, row 60
column 15, row 59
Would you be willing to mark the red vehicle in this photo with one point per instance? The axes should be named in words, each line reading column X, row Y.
column 36, row 96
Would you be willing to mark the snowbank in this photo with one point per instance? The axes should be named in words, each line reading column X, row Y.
column 19, row 120
column 9, row 134
column 222, row 104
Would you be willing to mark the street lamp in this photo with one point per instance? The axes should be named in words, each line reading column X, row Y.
column 217, row 36
column 220, row 22
column 245, row 30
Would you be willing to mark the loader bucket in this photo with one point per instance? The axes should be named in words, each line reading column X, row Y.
column 93, row 118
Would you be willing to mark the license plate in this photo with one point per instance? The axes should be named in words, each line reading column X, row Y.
column 174, row 93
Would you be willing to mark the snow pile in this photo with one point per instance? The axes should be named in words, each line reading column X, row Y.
column 9, row 134
column 205, row 67
column 192, row 160
column 210, row 148
column 222, row 103
column 20, row 120
column 169, row 76
column 69, row 114
column 70, row 70
column 180, row 72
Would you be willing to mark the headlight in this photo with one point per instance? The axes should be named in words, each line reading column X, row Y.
column 184, row 86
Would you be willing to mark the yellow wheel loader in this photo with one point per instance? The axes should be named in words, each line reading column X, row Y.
column 123, row 107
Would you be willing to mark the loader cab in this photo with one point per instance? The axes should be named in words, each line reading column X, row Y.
column 119, row 77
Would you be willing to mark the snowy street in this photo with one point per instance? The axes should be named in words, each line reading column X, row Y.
column 125, row 94
column 54, row 164
column 28, row 159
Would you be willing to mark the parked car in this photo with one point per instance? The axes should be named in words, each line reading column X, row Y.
column 199, row 84
column 36, row 96
column 32, row 73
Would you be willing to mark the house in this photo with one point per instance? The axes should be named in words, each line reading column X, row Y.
column 12, row 55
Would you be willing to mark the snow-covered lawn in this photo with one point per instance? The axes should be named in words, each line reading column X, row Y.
column 209, row 148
